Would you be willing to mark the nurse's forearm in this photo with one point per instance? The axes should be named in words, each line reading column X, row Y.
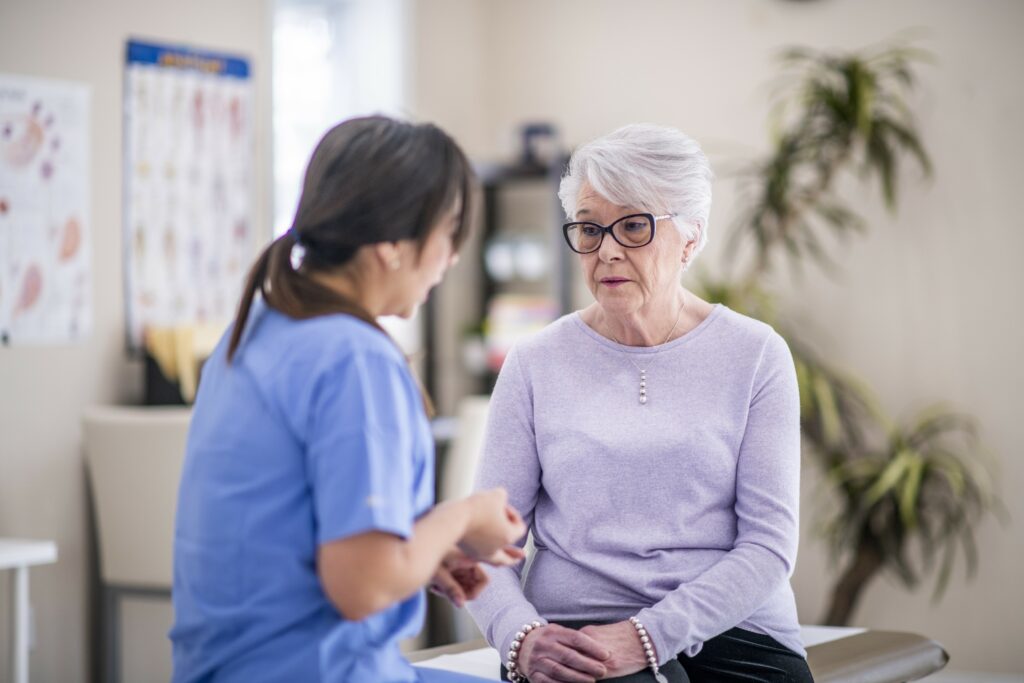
column 364, row 574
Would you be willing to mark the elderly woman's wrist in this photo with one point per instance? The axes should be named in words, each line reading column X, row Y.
column 515, row 659
column 655, row 627
column 649, row 648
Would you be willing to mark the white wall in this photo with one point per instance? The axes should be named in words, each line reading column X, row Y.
column 43, row 390
column 927, row 307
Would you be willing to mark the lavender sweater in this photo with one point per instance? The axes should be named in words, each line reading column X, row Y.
column 683, row 511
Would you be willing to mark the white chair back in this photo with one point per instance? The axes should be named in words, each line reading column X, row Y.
column 464, row 452
column 134, row 457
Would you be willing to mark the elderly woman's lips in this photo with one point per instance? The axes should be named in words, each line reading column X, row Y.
column 613, row 281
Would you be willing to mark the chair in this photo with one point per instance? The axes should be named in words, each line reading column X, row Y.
column 134, row 457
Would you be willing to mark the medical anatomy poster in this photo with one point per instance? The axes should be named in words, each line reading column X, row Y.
column 45, row 286
column 189, row 183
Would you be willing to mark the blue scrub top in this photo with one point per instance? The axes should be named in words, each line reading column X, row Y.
column 314, row 433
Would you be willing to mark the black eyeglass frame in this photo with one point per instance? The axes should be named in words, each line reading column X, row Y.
column 608, row 230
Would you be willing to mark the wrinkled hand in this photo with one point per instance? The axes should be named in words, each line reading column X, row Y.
column 555, row 654
column 459, row 578
column 622, row 641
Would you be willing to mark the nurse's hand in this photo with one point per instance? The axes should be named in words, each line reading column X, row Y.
column 459, row 578
column 493, row 528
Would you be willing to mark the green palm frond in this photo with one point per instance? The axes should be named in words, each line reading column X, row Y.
column 931, row 482
column 838, row 111
column 748, row 299
column 836, row 408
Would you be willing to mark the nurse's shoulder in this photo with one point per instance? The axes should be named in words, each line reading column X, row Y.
column 290, row 361
column 314, row 345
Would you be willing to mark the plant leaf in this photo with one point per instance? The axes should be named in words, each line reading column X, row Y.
column 909, row 492
column 888, row 479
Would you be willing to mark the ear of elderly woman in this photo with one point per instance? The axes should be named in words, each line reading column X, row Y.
column 651, row 441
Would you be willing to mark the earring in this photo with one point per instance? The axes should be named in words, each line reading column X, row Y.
column 395, row 264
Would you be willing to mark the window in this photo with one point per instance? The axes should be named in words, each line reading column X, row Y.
column 332, row 60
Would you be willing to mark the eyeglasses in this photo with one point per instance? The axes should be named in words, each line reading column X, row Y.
column 632, row 231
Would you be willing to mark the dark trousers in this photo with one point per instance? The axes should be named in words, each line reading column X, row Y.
column 737, row 655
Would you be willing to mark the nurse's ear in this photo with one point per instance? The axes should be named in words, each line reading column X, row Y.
column 388, row 254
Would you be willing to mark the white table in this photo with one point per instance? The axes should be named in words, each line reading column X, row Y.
column 19, row 555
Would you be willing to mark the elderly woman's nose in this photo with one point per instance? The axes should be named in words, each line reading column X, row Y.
column 609, row 250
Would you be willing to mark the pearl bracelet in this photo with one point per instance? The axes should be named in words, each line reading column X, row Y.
column 513, row 653
column 645, row 640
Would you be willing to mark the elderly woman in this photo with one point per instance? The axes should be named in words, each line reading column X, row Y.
column 651, row 441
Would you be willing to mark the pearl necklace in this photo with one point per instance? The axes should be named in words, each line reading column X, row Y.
column 643, row 371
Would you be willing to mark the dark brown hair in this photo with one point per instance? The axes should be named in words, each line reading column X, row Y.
column 371, row 179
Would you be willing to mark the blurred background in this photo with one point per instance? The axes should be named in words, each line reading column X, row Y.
column 922, row 306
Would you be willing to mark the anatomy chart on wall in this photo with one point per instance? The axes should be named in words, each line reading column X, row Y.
column 189, row 180
column 45, row 286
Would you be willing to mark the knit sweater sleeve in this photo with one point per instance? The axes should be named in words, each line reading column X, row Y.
column 763, row 554
column 509, row 459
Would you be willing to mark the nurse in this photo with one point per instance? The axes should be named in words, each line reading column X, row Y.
column 306, row 529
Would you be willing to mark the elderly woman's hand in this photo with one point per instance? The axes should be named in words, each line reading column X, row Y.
column 555, row 654
column 621, row 640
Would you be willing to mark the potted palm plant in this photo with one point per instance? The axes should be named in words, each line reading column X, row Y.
column 909, row 495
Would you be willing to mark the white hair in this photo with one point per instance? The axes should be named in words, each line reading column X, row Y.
column 654, row 168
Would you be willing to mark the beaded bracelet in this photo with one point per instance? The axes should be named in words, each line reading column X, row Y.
column 645, row 640
column 513, row 653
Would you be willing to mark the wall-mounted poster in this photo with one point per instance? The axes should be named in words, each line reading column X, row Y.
column 189, row 179
column 45, row 287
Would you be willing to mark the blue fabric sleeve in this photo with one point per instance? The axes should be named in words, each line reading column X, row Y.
column 360, row 459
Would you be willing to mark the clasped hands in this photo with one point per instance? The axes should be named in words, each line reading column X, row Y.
column 555, row 654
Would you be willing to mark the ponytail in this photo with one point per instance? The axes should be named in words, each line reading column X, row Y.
column 257, row 276
column 291, row 291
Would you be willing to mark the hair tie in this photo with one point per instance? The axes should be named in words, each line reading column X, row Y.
column 297, row 253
